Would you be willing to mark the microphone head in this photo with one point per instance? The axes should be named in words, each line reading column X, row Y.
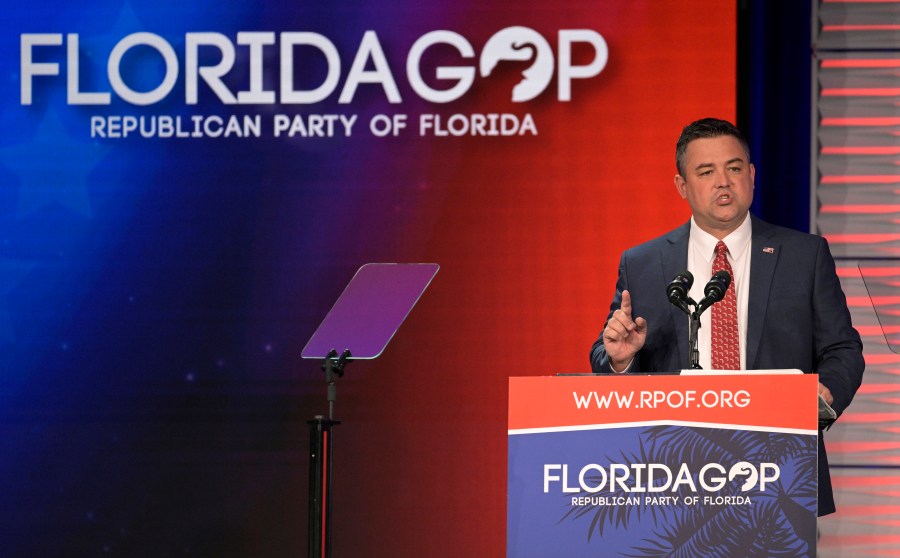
column 718, row 284
column 677, row 290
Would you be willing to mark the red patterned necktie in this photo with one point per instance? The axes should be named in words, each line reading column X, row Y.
column 726, row 345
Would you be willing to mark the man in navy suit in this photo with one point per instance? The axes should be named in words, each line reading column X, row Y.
column 791, row 311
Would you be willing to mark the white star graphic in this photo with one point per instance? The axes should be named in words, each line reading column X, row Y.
column 53, row 168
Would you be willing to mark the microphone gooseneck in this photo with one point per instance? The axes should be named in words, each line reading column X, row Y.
column 715, row 290
column 677, row 290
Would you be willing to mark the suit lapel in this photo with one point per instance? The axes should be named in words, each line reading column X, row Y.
column 674, row 260
column 764, row 254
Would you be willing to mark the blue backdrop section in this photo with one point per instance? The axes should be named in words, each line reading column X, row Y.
column 130, row 299
column 774, row 105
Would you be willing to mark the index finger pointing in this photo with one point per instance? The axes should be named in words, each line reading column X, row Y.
column 626, row 303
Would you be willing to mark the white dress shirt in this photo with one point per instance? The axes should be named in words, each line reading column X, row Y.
column 701, row 252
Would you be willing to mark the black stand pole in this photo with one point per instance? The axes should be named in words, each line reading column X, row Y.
column 320, row 460
column 695, row 330
column 684, row 304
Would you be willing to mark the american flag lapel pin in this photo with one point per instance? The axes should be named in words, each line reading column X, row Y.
column 769, row 250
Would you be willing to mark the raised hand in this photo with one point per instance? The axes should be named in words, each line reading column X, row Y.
column 624, row 337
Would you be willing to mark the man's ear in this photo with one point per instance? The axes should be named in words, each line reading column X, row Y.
column 681, row 186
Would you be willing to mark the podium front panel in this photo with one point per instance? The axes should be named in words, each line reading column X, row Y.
column 662, row 466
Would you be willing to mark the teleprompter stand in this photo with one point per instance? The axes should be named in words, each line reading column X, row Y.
column 365, row 317
column 319, row 543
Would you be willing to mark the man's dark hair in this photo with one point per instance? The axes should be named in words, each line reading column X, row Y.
column 706, row 128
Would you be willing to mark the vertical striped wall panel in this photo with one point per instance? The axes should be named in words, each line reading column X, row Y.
column 856, row 206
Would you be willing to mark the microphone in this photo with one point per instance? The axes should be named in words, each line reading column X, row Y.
column 714, row 291
column 677, row 290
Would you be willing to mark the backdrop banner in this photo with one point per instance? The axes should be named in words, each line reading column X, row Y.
column 186, row 186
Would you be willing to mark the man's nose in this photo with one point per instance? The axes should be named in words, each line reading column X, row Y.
column 723, row 179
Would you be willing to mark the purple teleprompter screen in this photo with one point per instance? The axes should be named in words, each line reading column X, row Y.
column 371, row 309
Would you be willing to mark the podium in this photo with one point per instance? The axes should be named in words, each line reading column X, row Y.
column 662, row 465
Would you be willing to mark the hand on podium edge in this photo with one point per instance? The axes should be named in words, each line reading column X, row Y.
column 826, row 394
column 827, row 415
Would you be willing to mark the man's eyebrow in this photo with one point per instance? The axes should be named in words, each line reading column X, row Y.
column 711, row 165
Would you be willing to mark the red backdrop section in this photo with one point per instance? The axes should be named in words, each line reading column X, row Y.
column 528, row 236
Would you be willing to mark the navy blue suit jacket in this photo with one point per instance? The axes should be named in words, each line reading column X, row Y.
column 797, row 315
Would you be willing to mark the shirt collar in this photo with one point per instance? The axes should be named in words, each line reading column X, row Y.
column 705, row 244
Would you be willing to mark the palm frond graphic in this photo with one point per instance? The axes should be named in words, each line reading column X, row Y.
column 771, row 526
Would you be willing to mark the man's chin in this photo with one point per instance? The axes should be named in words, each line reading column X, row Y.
column 733, row 216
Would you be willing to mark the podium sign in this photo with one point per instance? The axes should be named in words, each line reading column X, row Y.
column 662, row 466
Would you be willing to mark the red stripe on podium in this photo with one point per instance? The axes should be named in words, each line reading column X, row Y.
column 786, row 401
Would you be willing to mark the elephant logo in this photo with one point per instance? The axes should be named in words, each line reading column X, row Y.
column 520, row 44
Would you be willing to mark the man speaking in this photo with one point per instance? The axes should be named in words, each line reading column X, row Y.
column 784, row 307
